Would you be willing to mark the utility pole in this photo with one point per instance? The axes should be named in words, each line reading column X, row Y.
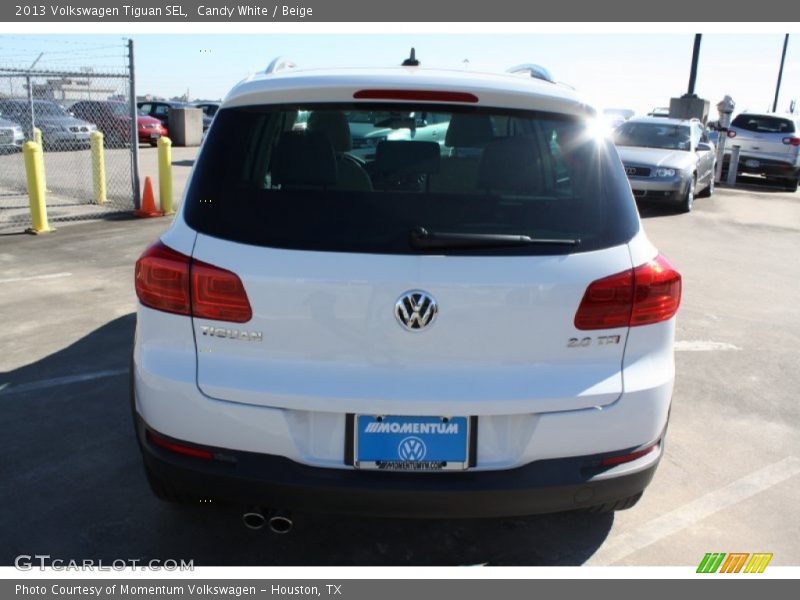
column 695, row 60
column 780, row 74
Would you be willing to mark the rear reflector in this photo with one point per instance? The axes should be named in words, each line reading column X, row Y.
column 173, row 282
column 166, row 444
column 731, row 133
column 420, row 95
column 611, row 461
column 647, row 294
column 792, row 141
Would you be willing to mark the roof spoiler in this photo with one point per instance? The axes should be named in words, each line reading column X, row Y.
column 534, row 71
column 279, row 63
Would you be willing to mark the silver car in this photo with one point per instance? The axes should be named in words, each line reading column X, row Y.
column 769, row 146
column 667, row 160
column 60, row 130
column 11, row 136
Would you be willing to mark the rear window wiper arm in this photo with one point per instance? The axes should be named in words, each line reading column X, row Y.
column 421, row 238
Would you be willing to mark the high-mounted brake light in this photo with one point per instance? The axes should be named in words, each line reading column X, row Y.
column 650, row 293
column 792, row 141
column 420, row 95
column 173, row 282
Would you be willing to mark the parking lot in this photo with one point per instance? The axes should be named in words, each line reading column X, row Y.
column 729, row 482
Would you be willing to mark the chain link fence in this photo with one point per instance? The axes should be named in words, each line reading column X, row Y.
column 59, row 98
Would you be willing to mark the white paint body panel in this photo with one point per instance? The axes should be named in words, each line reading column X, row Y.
column 331, row 344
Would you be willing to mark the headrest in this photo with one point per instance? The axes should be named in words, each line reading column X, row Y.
column 304, row 158
column 510, row 165
column 407, row 157
column 469, row 131
column 333, row 124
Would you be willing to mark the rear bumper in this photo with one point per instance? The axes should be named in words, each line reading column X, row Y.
column 766, row 167
column 276, row 482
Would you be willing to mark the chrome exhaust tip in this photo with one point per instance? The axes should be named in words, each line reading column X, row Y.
column 280, row 522
column 254, row 518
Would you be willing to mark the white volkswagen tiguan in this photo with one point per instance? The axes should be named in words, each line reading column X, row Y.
column 459, row 327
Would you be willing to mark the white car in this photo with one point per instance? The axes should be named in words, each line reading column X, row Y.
column 437, row 334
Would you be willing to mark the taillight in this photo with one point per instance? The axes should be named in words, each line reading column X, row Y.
column 658, row 292
column 170, row 281
column 218, row 294
column 731, row 133
column 792, row 141
column 647, row 294
column 162, row 279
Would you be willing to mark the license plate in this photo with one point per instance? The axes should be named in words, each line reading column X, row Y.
column 400, row 443
column 155, row 135
column 751, row 163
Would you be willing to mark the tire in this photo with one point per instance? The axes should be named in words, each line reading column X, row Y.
column 166, row 491
column 687, row 203
column 610, row 507
column 791, row 185
column 708, row 191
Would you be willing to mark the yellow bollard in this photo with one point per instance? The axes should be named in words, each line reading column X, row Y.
column 37, row 137
column 165, row 175
column 98, row 167
column 36, row 189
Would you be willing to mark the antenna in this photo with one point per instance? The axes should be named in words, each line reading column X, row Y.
column 411, row 61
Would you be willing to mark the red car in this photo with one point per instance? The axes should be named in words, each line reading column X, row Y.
column 112, row 118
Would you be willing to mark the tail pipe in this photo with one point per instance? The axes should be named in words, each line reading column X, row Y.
column 279, row 521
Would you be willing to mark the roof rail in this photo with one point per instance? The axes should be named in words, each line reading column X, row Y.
column 279, row 63
column 535, row 71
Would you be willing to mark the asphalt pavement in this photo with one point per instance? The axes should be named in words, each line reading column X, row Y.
column 73, row 486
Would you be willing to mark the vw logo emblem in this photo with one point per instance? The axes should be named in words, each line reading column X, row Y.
column 416, row 310
column 412, row 448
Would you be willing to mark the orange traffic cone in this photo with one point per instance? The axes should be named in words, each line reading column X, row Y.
column 148, row 208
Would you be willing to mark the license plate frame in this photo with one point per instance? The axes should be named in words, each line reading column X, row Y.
column 383, row 454
column 752, row 163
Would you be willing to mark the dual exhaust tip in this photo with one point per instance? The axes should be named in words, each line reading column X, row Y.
column 279, row 521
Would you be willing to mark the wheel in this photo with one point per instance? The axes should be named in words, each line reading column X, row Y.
column 154, row 144
column 609, row 507
column 165, row 490
column 709, row 191
column 688, row 198
column 791, row 185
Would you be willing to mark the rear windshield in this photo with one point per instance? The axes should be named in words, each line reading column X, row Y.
column 365, row 178
column 763, row 124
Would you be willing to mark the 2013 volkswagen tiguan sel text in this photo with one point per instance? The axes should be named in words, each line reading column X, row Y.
column 478, row 327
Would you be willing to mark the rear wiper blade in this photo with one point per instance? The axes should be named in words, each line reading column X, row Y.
column 421, row 238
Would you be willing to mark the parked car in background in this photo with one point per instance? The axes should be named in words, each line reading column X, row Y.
column 769, row 146
column 370, row 128
column 667, row 160
column 209, row 108
column 12, row 137
column 113, row 120
column 60, row 130
column 159, row 109
column 427, row 332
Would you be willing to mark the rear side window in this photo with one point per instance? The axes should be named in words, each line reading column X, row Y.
column 363, row 178
column 763, row 124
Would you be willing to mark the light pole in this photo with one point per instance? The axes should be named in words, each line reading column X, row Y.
column 780, row 74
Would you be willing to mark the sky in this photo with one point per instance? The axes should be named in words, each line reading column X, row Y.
column 611, row 70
